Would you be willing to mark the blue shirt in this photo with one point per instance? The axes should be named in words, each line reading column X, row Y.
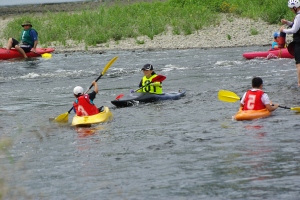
column 274, row 44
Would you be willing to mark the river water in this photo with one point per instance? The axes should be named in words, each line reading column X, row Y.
column 183, row 149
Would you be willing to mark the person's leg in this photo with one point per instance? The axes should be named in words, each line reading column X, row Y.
column 298, row 73
column 11, row 43
column 21, row 51
column 297, row 59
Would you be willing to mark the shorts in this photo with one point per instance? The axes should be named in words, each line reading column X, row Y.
column 25, row 47
column 297, row 52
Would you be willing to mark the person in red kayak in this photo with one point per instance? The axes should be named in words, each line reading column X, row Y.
column 29, row 40
column 294, row 47
column 275, row 42
column 149, row 74
column 84, row 105
column 256, row 98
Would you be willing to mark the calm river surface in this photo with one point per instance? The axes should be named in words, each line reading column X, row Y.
column 184, row 149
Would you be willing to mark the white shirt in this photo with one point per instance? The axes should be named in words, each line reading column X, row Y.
column 264, row 98
column 295, row 27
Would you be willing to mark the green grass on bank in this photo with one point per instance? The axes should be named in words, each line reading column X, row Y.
column 132, row 20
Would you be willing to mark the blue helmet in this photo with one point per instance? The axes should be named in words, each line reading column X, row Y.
column 276, row 34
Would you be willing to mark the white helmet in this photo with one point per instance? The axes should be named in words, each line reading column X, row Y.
column 78, row 90
column 293, row 3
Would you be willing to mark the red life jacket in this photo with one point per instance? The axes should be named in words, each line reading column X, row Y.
column 253, row 100
column 84, row 107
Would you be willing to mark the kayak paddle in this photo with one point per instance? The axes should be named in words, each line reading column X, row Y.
column 158, row 78
column 294, row 108
column 228, row 96
column 65, row 116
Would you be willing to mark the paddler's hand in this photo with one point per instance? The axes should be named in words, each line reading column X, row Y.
column 275, row 105
column 281, row 29
column 284, row 21
column 33, row 50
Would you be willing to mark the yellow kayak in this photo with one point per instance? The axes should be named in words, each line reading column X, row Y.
column 251, row 114
column 103, row 116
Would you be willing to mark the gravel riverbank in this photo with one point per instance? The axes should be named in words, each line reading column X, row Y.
column 230, row 32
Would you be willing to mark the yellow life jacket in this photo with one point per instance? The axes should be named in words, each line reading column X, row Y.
column 157, row 89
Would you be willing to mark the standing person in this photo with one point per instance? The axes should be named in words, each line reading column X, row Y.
column 256, row 99
column 149, row 74
column 275, row 42
column 294, row 6
column 84, row 105
column 29, row 40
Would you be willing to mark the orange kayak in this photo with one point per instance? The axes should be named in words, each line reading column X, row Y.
column 251, row 114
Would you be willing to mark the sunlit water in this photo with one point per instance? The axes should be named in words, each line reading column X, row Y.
column 184, row 149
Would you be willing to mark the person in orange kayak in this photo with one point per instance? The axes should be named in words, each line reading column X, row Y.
column 84, row 105
column 149, row 74
column 29, row 40
column 256, row 98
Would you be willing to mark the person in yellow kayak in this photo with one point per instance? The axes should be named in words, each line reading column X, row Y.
column 149, row 74
column 29, row 40
column 256, row 98
column 84, row 105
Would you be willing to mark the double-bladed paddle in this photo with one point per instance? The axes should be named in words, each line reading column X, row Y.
column 65, row 116
column 228, row 96
column 158, row 78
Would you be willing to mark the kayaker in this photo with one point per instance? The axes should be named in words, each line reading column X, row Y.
column 84, row 105
column 294, row 6
column 275, row 42
column 149, row 74
column 29, row 40
column 256, row 98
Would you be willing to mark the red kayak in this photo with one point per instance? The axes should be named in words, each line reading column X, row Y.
column 13, row 53
column 278, row 53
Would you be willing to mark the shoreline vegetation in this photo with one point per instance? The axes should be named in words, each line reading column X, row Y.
column 98, row 26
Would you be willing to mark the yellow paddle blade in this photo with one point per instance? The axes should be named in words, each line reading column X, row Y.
column 62, row 117
column 107, row 66
column 296, row 109
column 228, row 96
column 46, row 55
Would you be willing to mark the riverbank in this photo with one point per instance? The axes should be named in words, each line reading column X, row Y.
column 232, row 31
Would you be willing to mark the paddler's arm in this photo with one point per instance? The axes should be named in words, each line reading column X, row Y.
column 272, row 107
column 140, row 85
column 34, row 46
column 95, row 86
